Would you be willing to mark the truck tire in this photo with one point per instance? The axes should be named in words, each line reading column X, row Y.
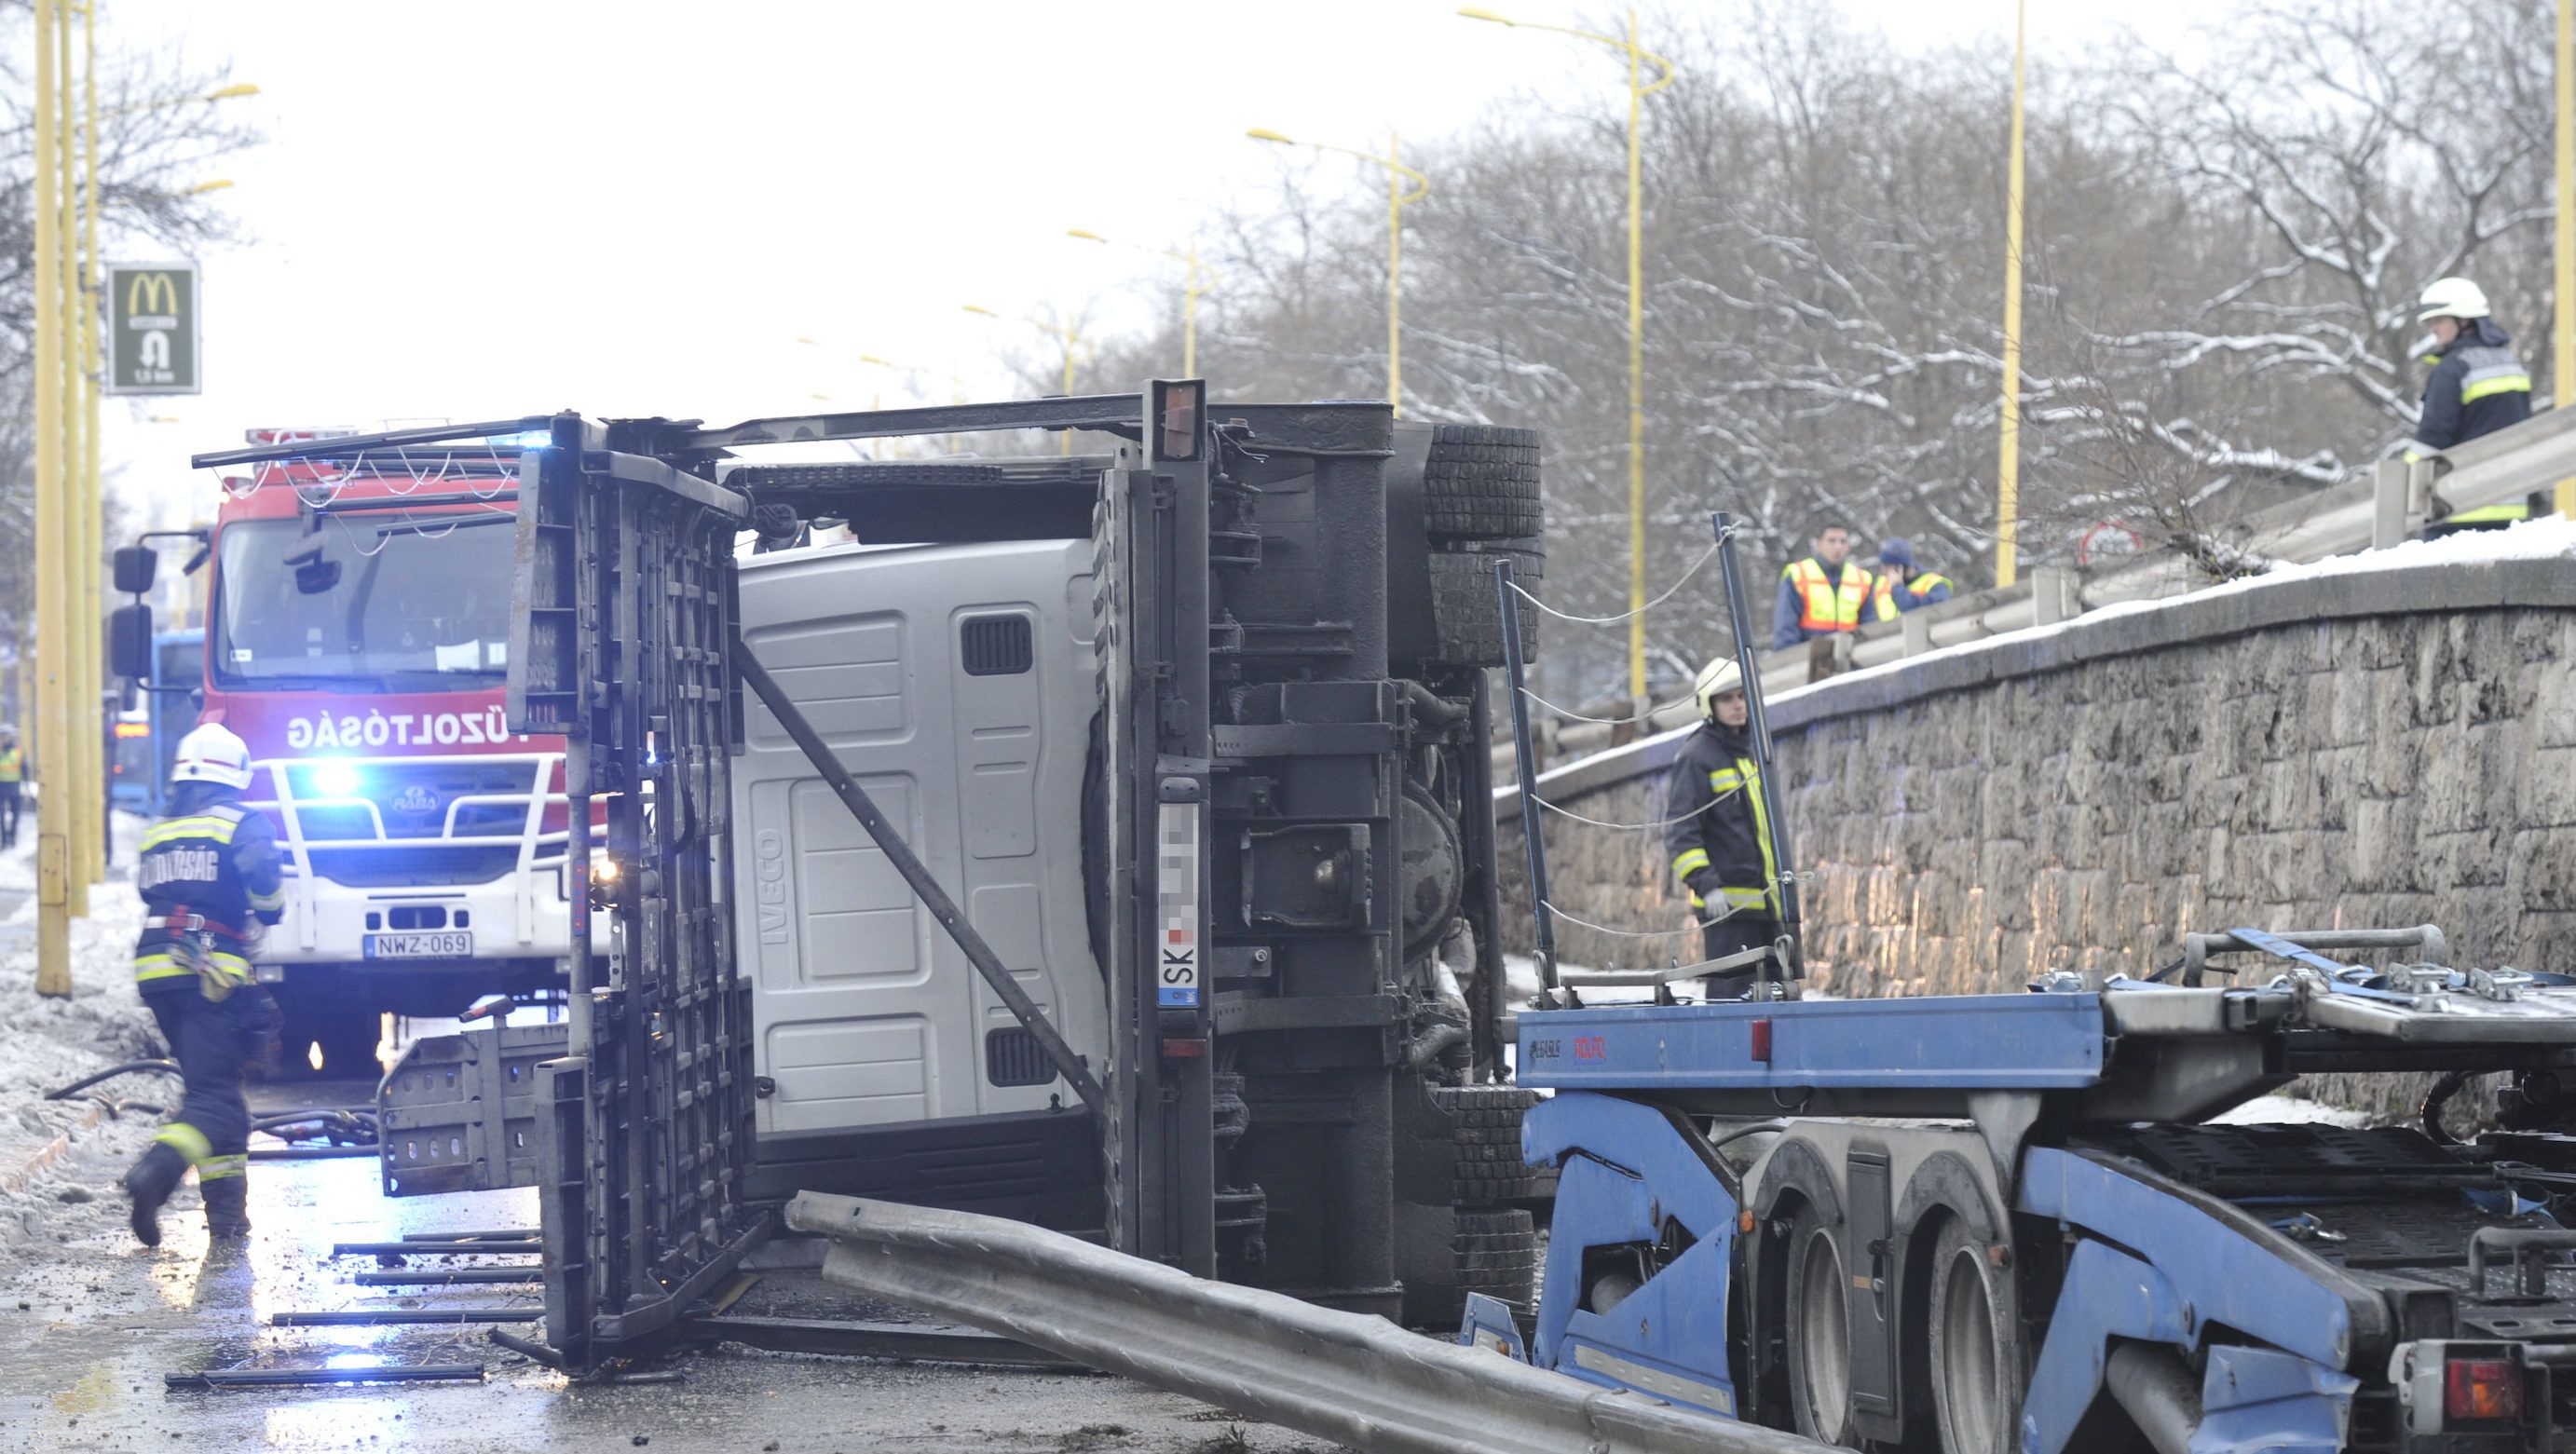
column 1485, row 1146
column 1465, row 619
column 1481, row 482
column 1491, row 1252
column 1976, row 1364
column 1819, row 1331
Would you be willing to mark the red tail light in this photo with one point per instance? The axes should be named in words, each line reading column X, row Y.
column 2481, row 1391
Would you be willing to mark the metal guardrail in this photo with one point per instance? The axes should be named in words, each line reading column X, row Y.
column 2388, row 507
column 1357, row 1380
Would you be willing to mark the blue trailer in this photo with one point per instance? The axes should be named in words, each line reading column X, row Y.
column 1972, row 1224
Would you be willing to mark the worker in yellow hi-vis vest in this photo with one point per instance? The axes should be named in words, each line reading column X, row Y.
column 1822, row 594
column 13, row 776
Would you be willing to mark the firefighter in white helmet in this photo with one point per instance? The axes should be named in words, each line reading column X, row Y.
column 2478, row 386
column 1718, row 832
column 208, row 873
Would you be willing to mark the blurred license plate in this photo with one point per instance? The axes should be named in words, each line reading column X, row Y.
column 452, row 944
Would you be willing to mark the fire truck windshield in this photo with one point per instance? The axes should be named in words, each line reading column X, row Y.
column 407, row 609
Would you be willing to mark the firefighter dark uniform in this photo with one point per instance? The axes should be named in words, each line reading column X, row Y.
column 1717, row 831
column 1817, row 599
column 2478, row 385
column 207, row 873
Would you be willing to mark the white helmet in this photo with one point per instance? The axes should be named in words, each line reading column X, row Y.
column 212, row 754
column 2451, row 298
column 1716, row 680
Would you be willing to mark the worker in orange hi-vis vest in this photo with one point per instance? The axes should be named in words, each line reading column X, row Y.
column 1822, row 594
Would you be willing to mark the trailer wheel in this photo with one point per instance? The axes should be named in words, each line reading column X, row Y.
column 1975, row 1354
column 1819, row 1321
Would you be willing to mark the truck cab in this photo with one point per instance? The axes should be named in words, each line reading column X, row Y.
column 958, row 683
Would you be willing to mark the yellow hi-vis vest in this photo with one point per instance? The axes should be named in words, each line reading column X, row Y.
column 1822, row 605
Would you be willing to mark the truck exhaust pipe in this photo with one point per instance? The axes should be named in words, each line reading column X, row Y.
column 2159, row 1392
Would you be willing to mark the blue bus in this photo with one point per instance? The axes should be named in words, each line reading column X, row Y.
column 146, row 739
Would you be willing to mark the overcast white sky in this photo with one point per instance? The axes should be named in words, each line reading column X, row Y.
column 476, row 209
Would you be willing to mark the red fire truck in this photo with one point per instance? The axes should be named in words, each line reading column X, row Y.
column 357, row 640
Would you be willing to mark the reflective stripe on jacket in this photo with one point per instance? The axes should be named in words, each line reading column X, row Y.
column 2478, row 386
column 13, row 765
column 212, row 859
column 1717, row 826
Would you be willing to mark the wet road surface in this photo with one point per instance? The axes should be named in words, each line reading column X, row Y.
column 88, row 1331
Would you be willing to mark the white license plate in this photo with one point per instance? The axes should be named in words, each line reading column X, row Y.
column 453, row 944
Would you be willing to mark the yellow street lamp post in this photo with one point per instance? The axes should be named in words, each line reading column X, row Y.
column 1068, row 333
column 80, row 754
column 1639, row 88
column 2008, row 464
column 93, row 493
column 1192, row 288
column 53, row 710
column 1397, row 199
column 233, row 92
column 2562, row 367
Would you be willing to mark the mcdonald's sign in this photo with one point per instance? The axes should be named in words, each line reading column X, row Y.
column 152, row 329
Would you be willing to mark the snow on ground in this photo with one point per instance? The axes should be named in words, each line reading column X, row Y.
column 53, row 1041
column 2287, row 1107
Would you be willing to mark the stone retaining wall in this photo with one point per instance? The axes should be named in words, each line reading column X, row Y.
column 2386, row 747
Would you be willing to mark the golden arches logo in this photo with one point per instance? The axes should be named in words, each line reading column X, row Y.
column 147, row 289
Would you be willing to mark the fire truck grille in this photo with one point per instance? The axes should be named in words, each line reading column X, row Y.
column 413, row 800
column 366, row 868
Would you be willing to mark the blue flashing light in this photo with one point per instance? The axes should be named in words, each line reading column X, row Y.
column 526, row 439
column 336, row 780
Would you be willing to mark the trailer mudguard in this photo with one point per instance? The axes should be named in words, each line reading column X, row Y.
column 2176, row 1270
column 1625, row 1171
column 2264, row 1401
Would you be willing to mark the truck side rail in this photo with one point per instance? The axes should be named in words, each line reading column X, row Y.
column 1358, row 1380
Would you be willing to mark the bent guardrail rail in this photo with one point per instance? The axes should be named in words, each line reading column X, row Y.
column 1349, row 1377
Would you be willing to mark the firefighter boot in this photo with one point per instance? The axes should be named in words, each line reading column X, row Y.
column 227, row 1206
column 148, row 1185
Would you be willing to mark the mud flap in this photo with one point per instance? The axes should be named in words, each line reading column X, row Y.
column 1488, row 1325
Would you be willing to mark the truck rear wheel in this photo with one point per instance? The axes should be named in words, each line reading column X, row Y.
column 1975, row 1352
column 1465, row 614
column 1481, row 482
column 1485, row 1145
column 1494, row 1252
column 1819, row 1321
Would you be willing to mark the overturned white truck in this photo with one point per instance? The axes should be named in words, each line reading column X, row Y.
column 1186, row 743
